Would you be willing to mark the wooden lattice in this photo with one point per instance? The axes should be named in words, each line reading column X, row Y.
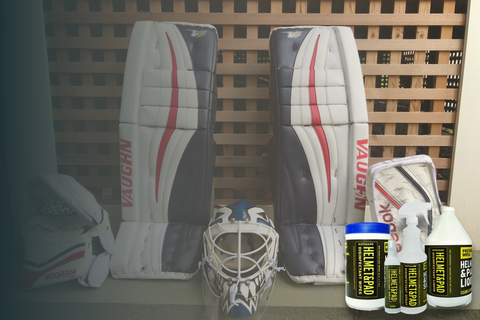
column 410, row 52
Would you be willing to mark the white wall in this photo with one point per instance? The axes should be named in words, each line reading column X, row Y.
column 465, row 177
column 26, row 125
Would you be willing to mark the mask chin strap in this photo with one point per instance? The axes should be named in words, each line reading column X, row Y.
column 274, row 265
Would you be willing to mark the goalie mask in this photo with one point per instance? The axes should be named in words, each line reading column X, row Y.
column 239, row 261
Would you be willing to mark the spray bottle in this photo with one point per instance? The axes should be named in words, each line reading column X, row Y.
column 449, row 251
column 413, row 261
column 392, row 279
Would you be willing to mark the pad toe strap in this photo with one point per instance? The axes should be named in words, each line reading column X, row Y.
column 98, row 271
column 99, row 267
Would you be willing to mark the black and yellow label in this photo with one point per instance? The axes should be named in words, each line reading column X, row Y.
column 414, row 288
column 392, row 287
column 365, row 266
column 465, row 252
column 449, row 270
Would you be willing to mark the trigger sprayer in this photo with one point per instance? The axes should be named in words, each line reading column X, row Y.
column 413, row 261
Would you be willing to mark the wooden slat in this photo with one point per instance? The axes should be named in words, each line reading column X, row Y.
column 226, row 18
column 243, row 116
column 243, row 69
column 262, row 44
column 238, row 183
column 87, row 42
column 264, row 69
column 362, row 44
column 86, row 67
column 371, row 57
column 242, row 139
column 443, row 185
column 93, row 181
column 228, row 104
column 411, row 117
column 89, row 160
column 242, row 93
column 251, row 105
column 59, row 114
column 392, row 94
column 264, row 116
column 240, row 161
column 87, row 137
column 440, row 163
column 407, row 45
column 409, row 141
column 411, row 69
column 410, row 94
column 86, row 91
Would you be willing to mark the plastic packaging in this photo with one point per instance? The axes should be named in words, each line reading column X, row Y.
column 365, row 250
column 413, row 261
column 392, row 279
column 449, row 251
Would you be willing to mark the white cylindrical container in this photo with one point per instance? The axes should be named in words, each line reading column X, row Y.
column 366, row 246
column 449, row 251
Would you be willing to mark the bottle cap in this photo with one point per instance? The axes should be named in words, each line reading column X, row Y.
column 367, row 227
column 411, row 210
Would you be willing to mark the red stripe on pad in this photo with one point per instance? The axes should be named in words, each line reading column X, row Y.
column 317, row 121
column 29, row 277
column 171, row 121
column 387, row 196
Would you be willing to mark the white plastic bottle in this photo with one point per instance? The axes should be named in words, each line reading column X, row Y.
column 449, row 251
column 392, row 279
column 413, row 261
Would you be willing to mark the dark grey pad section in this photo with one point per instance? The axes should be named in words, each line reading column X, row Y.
column 302, row 250
column 182, row 247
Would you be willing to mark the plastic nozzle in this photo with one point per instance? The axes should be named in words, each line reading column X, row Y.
column 392, row 249
column 411, row 210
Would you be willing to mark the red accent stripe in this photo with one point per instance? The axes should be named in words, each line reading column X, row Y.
column 29, row 277
column 387, row 196
column 317, row 121
column 171, row 121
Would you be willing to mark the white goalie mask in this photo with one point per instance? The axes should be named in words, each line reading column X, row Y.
column 239, row 259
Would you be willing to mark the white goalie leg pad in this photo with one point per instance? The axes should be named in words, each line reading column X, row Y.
column 166, row 150
column 318, row 156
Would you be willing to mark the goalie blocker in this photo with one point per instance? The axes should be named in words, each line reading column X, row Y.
column 66, row 234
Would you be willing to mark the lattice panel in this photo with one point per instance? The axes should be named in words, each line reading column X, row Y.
column 410, row 52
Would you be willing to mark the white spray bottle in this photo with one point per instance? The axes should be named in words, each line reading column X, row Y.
column 413, row 261
column 392, row 279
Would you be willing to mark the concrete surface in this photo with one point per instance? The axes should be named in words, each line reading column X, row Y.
column 170, row 299
column 179, row 300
